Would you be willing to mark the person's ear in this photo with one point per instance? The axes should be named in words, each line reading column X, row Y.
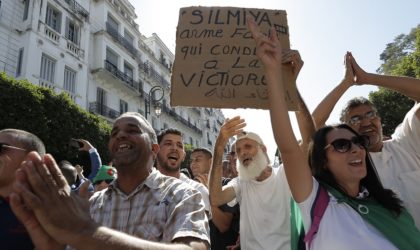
column 155, row 149
column 264, row 148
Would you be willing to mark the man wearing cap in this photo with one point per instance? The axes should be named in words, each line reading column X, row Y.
column 106, row 174
column 262, row 192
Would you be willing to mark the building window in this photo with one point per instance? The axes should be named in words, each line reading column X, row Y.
column 128, row 71
column 25, row 9
column 70, row 80
column 19, row 63
column 53, row 18
column 123, row 106
column 47, row 68
column 72, row 31
column 191, row 141
column 112, row 58
column 128, row 37
column 112, row 23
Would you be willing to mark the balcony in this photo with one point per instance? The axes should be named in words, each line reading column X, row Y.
column 53, row 35
column 153, row 74
column 77, row 8
column 122, row 40
column 75, row 50
column 127, row 80
column 100, row 109
column 46, row 84
column 179, row 118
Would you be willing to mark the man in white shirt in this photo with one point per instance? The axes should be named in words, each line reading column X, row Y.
column 262, row 192
column 397, row 160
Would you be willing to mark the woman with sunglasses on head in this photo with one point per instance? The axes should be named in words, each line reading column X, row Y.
column 360, row 213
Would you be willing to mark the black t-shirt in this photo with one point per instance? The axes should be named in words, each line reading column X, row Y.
column 219, row 241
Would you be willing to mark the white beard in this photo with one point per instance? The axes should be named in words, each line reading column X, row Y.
column 255, row 167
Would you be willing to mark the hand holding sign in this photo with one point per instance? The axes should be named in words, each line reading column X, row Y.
column 216, row 63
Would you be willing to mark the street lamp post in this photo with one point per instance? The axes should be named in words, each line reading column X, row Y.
column 155, row 95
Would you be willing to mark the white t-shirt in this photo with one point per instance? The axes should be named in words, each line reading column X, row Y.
column 341, row 227
column 265, row 211
column 398, row 164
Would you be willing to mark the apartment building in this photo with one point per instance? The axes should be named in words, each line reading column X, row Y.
column 94, row 51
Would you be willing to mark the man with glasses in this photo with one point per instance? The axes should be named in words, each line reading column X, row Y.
column 397, row 160
column 14, row 146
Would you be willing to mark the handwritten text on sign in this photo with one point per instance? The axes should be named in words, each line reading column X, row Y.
column 215, row 60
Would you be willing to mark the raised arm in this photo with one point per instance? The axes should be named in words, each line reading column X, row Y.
column 303, row 116
column 296, row 167
column 407, row 86
column 322, row 112
column 218, row 196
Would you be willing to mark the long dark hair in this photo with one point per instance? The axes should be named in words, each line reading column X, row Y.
column 318, row 161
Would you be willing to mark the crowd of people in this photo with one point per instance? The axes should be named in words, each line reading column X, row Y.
column 340, row 187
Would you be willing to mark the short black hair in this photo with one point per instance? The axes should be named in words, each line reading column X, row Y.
column 167, row 131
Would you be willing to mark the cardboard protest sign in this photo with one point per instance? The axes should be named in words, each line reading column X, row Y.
column 215, row 58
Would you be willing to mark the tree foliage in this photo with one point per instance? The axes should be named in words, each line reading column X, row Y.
column 55, row 119
column 400, row 58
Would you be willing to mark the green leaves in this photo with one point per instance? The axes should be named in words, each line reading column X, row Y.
column 54, row 118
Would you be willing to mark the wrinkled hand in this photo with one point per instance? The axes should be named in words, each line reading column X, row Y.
column 230, row 127
column 269, row 49
column 44, row 190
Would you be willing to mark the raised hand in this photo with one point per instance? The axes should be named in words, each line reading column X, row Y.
column 293, row 57
column 44, row 190
column 359, row 75
column 269, row 49
column 230, row 128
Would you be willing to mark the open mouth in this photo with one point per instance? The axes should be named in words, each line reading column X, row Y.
column 173, row 157
column 356, row 163
column 123, row 147
column 246, row 161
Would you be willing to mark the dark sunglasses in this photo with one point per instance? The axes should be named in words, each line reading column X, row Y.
column 99, row 182
column 4, row 147
column 344, row 145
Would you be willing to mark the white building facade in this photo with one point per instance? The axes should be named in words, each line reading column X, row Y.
column 93, row 50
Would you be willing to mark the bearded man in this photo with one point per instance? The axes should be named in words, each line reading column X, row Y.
column 262, row 192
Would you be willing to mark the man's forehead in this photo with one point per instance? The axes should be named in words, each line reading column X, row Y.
column 129, row 120
column 172, row 137
column 360, row 110
column 245, row 141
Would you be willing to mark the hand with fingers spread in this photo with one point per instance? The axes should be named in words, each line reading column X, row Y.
column 231, row 127
column 43, row 189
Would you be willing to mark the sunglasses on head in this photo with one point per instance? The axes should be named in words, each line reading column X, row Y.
column 4, row 147
column 344, row 145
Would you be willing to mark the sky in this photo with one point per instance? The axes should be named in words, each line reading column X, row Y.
column 321, row 30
